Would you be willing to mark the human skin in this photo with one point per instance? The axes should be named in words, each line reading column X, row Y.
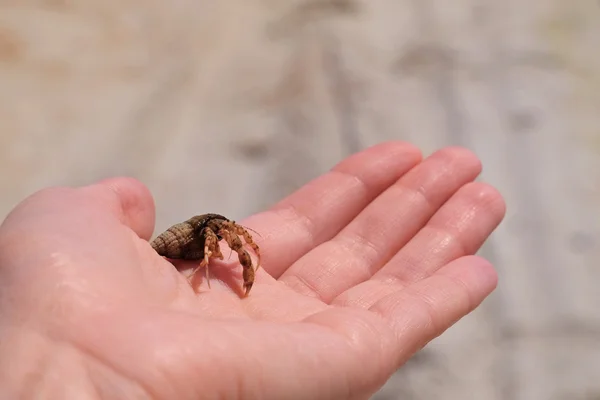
column 360, row 269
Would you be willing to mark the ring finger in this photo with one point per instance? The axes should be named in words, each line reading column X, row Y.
column 458, row 229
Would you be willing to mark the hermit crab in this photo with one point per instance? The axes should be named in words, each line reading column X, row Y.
column 198, row 239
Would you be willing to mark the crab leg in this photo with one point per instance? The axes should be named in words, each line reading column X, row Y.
column 235, row 243
column 211, row 249
column 248, row 238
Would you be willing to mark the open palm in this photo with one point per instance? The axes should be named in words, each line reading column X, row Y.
column 360, row 269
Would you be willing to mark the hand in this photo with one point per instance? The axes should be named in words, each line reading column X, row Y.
column 360, row 269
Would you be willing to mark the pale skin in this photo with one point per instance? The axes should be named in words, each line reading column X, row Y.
column 360, row 269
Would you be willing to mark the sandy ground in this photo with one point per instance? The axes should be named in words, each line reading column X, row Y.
column 230, row 105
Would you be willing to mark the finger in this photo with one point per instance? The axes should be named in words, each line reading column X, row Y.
column 67, row 233
column 119, row 199
column 321, row 208
column 458, row 229
column 130, row 201
column 424, row 310
column 383, row 227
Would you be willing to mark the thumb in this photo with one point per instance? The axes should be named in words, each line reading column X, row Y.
column 62, row 241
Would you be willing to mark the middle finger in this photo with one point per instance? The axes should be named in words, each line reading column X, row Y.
column 383, row 227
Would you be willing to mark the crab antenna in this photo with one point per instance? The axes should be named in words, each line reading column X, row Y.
column 244, row 226
column 250, row 229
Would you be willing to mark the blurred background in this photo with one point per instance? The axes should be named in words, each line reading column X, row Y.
column 227, row 106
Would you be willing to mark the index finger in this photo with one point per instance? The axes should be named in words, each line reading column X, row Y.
column 321, row 208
